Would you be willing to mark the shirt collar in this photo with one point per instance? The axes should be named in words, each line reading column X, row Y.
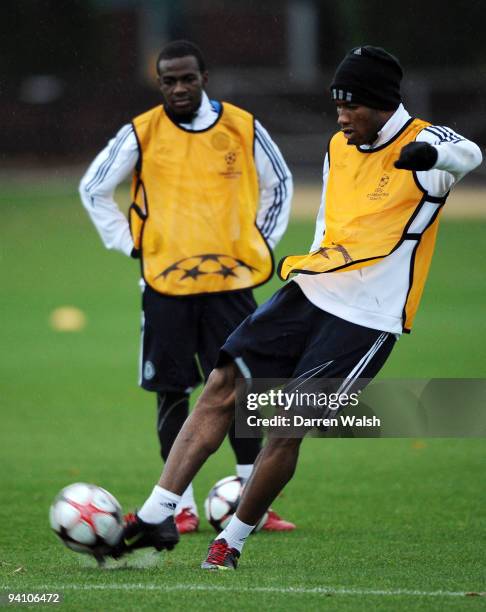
column 203, row 117
column 391, row 128
column 204, row 107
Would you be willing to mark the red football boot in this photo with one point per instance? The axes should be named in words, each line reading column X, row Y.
column 220, row 556
column 186, row 521
column 275, row 522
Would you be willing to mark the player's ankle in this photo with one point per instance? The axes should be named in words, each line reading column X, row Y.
column 236, row 533
column 160, row 505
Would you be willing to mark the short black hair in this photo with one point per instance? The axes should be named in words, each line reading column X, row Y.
column 181, row 48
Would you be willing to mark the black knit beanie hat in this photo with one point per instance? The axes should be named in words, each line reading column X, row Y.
column 369, row 76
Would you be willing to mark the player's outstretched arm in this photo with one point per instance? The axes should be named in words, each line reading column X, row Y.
column 110, row 167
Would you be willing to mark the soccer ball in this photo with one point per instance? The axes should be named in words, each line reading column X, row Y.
column 87, row 518
column 222, row 502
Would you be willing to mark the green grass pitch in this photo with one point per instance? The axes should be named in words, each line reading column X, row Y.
column 382, row 524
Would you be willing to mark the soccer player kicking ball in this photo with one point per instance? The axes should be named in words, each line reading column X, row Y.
column 386, row 177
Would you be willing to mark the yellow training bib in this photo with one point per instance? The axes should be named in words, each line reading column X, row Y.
column 195, row 198
column 370, row 206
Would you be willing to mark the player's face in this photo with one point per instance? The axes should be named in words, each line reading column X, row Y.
column 181, row 83
column 359, row 124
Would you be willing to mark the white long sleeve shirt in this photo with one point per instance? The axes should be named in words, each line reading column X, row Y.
column 374, row 296
column 119, row 158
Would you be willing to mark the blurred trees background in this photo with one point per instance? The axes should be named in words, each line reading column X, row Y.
column 75, row 70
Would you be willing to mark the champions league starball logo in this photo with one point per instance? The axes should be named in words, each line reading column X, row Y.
column 207, row 263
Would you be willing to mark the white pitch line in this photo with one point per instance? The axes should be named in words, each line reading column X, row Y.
column 324, row 590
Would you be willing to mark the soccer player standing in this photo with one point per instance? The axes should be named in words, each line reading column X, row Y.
column 211, row 198
column 386, row 178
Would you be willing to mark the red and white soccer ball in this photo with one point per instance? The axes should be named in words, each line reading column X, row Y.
column 222, row 502
column 87, row 518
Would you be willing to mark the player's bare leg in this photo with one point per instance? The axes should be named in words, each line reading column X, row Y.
column 274, row 468
column 203, row 432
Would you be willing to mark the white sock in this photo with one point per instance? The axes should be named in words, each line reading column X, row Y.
column 159, row 505
column 244, row 470
column 187, row 501
column 236, row 533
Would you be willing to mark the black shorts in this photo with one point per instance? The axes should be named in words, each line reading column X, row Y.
column 182, row 336
column 289, row 338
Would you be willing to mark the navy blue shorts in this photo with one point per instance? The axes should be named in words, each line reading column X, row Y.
column 182, row 336
column 289, row 337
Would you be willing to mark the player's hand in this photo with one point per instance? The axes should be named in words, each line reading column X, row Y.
column 417, row 156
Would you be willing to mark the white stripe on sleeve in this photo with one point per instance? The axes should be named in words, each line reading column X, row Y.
column 109, row 168
column 456, row 156
column 275, row 186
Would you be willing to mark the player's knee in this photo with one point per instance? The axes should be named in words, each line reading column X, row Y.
column 223, row 377
column 219, row 392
